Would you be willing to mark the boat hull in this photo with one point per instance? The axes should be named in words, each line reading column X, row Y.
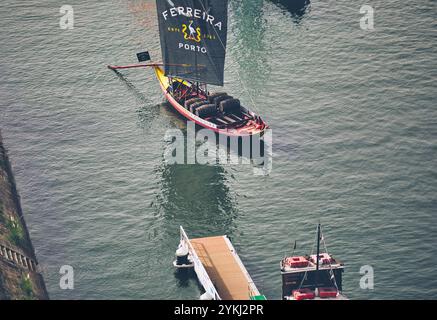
column 250, row 129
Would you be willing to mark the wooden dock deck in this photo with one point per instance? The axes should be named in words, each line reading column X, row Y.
column 224, row 268
column 219, row 268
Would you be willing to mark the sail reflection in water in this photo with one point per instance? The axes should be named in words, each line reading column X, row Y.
column 196, row 196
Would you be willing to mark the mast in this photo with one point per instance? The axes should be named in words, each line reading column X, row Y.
column 318, row 254
column 318, row 246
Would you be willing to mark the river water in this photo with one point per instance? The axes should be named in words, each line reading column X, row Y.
column 354, row 126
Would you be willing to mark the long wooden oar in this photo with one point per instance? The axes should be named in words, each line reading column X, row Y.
column 143, row 65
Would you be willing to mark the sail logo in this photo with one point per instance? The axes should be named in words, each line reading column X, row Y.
column 194, row 34
column 192, row 13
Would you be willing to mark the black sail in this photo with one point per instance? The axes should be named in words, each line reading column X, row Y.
column 193, row 37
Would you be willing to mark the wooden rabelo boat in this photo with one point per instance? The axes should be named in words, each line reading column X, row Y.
column 193, row 36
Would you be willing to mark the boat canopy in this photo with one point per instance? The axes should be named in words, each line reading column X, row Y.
column 193, row 36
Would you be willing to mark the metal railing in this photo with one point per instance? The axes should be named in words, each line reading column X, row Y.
column 199, row 268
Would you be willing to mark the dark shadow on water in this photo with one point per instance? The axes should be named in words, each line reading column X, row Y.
column 297, row 8
column 185, row 276
column 147, row 111
column 131, row 87
column 176, row 119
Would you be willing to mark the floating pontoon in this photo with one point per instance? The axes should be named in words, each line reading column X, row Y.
column 218, row 268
